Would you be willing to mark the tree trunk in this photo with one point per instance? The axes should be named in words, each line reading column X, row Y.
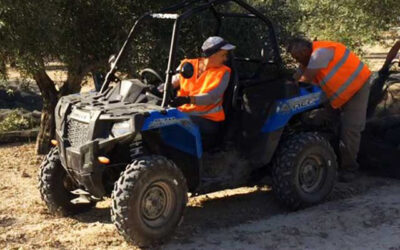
column 50, row 97
column 3, row 69
column 47, row 122
column 72, row 85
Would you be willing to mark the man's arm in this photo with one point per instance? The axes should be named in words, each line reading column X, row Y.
column 209, row 98
column 318, row 60
column 308, row 75
column 214, row 95
column 299, row 72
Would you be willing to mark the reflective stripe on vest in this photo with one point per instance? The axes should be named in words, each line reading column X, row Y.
column 336, row 68
column 202, row 84
column 348, row 82
column 343, row 76
column 201, row 113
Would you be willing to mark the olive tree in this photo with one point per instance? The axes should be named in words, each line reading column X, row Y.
column 81, row 34
column 78, row 34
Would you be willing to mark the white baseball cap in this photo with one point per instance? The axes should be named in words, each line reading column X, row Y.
column 215, row 43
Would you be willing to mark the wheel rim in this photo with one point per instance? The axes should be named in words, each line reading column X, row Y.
column 157, row 204
column 312, row 173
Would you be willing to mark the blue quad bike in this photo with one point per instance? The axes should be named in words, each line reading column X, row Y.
column 125, row 142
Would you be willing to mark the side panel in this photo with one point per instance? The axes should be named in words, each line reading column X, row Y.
column 177, row 130
column 287, row 108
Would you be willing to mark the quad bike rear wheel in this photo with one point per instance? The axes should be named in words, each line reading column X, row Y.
column 304, row 170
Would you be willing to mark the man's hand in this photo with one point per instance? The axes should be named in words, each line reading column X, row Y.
column 179, row 101
column 160, row 87
column 296, row 76
column 299, row 72
column 309, row 75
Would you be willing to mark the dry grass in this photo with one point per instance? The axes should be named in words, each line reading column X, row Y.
column 26, row 224
column 24, row 220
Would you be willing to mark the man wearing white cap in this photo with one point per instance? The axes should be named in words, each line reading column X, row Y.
column 201, row 95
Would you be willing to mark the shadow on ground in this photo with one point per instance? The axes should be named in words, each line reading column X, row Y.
column 230, row 208
column 96, row 214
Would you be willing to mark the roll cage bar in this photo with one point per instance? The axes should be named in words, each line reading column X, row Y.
column 190, row 8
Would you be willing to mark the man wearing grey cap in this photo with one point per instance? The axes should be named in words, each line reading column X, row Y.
column 201, row 95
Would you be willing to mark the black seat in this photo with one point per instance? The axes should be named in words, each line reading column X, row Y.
column 228, row 95
column 227, row 128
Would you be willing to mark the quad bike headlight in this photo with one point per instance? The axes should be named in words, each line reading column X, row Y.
column 121, row 128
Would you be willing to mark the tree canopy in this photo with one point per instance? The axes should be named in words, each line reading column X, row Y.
column 81, row 34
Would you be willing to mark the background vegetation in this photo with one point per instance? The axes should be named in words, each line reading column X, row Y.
column 81, row 34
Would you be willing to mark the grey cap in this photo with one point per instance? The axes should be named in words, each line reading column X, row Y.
column 215, row 43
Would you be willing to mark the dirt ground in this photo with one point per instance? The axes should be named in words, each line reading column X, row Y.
column 363, row 215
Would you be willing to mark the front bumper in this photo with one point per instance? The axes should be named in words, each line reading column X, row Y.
column 83, row 126
column 82, row 165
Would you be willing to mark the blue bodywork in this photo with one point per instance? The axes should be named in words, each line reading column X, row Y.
column 178, row 131
column 286, row 108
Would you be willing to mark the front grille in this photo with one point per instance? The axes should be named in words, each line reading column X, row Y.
column 77, row 133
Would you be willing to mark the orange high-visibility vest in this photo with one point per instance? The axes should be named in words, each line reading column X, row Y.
column 208, row 81
column 343, row 76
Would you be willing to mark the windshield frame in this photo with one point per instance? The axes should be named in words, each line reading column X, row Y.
column 188, row 11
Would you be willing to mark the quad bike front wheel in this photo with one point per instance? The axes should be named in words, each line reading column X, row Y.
column 304, row 170
column 148, row 200
column 55, row 187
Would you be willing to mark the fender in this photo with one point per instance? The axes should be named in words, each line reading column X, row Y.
column 177, row 130
column 286, row 108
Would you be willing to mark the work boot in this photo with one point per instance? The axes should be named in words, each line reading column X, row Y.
column 347, row 176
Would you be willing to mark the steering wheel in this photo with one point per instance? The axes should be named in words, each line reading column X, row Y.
column 145, row 77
